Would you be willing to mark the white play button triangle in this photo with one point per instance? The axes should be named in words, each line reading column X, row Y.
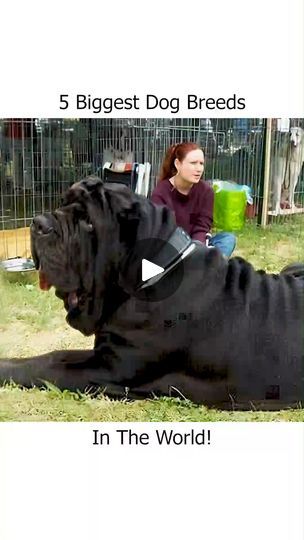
column 149, row 269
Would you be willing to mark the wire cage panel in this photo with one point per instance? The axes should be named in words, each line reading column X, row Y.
column 41, row 157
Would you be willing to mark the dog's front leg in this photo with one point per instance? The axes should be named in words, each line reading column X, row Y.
column 294, row 176
column 278, row 179
column 50, row 367
column 81, row 370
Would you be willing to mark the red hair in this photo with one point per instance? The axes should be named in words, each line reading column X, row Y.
column 176, row 151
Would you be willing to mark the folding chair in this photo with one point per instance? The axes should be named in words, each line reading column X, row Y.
column 127, row 177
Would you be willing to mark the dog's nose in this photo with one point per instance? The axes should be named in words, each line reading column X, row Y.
column 41, row 225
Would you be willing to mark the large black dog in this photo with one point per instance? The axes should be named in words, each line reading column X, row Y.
column 212, row 330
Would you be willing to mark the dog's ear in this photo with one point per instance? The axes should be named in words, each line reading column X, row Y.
column 76, row 194
column 120, row 198
column 129, row 219
column 85, row 189
column 130, row 213
column 126, row 208
column 84, row 192
column 92, row 183
column 75, row 203
column 84, row 200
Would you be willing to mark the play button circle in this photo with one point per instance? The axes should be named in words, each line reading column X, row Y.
column 149, row 270
column 157, row 267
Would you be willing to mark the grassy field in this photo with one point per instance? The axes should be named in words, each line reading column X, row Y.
column 33, row 322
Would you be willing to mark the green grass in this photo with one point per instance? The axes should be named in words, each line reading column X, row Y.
column 273, row 247
column 33, row 322
column 20, row 302
column 50, row 405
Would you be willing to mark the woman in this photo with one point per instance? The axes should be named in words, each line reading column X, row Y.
column 180, row 188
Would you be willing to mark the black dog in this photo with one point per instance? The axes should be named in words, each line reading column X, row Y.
column 211, row 330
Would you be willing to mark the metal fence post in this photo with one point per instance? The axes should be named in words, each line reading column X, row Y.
column 266, row 179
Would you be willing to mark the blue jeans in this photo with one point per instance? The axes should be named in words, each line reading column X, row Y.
column 223, row 241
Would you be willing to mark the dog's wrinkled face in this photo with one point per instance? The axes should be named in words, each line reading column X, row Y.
column 63, row 252
column 83, row 248
column 68, row 250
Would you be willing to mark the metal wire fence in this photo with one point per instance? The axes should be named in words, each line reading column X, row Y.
column 40, row 158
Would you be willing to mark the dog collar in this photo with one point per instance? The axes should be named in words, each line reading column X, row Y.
column 169, row 259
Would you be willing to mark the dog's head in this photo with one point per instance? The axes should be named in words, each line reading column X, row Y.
column 296, row 136
column 80, row 247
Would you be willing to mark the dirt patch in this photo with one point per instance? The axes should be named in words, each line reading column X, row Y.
column 285, row 250
column 17, row 340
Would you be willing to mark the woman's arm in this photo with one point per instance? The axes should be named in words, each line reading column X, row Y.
column 202, row 219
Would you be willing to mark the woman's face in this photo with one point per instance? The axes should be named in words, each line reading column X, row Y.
column 191, row 167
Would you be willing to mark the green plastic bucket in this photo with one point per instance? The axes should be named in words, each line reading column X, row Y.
column 229, row 209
